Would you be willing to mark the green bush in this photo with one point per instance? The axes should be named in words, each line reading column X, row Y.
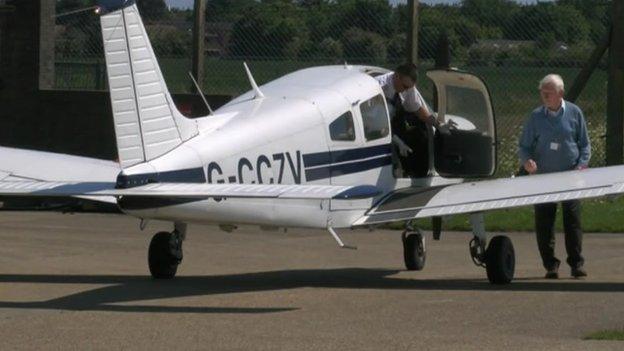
column 169, row 41
column 360, row 44
column 330, row 48
column 272, row 30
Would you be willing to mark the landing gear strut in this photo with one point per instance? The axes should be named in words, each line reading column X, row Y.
column 165, row 252
column 499, row 258
column 414, row 252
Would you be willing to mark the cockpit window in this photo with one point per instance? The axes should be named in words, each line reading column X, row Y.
column 374, row 118
column 342, row 129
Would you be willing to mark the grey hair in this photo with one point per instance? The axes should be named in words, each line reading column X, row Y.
column 553, row 79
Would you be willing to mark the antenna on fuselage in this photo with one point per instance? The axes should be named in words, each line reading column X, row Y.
column 252, row 81
column 201, row 94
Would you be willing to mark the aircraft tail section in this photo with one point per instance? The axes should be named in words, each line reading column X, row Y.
column 147, row 122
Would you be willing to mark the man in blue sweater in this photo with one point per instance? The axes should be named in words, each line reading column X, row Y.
column 555, row 139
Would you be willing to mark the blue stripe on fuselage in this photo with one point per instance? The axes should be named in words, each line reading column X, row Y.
column 346, row 168
column 324, row 158
column 319, row 165
column 190, row 175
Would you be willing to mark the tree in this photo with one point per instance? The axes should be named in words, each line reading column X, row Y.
column 443, row 19
column 330, row 48
column 545, row 41
column 596, row 12
column 169, row 41
column 227, row 10
column 566, row 22
column 63, row 6
column 361, row 45
column 271, row 30
column 153, row 10
column 369, row 15
column 489, row 12
column 466, row 30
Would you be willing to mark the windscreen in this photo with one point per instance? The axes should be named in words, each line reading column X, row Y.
column 375, row 118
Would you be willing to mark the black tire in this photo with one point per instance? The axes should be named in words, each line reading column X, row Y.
column 500, row 260
column 414, row 252
column 164, row 255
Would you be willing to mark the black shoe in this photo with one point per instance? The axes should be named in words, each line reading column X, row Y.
column 552, row 273
column 578, row 272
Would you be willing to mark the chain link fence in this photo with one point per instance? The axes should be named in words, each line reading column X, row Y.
column 78, row 44
column 510, row 44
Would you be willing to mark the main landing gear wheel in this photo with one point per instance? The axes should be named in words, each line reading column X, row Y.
column 414, row 250
column 164, row 255
column 500, row 260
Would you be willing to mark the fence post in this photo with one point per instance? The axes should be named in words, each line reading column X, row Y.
column 199, row 35
column 615, row 88
column 412, row 32
column 581, row 79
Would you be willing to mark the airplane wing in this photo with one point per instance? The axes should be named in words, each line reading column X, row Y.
column 37, row 166
column 27, row 173
column 422, row 202
column 186, row 190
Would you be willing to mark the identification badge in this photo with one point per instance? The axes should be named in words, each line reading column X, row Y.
column 554, row 146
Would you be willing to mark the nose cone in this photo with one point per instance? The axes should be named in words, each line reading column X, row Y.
column 105, row 6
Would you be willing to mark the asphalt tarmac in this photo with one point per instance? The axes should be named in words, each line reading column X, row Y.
column 82, row 282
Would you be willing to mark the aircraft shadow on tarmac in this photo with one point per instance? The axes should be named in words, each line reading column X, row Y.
column 129, row 289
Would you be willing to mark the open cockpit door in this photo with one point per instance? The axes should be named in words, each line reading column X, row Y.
column 464, row 101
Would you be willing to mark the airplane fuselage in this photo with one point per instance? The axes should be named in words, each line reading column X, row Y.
column 283, row 138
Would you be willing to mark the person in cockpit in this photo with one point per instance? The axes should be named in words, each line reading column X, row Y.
column 410, row 119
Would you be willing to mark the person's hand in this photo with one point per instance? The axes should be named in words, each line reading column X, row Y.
column 431, row 119
column 404, row 150
column 581, row 167
column 444, row 129
column 530, row 166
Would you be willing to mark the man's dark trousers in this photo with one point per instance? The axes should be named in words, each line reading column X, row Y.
column 545, row 227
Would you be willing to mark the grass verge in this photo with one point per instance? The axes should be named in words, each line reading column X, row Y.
column 617, row 335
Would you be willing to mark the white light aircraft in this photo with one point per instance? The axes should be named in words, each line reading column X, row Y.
column 310, row 149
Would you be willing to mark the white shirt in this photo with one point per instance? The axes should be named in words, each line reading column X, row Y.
column 555, row 113
column 411, row 99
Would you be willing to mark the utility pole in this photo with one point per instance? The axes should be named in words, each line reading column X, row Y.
column 412, row 32
column 615, row 88
column 199, row 35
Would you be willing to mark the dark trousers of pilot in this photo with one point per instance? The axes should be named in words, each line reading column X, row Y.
column 545, row 229
column 414, row 134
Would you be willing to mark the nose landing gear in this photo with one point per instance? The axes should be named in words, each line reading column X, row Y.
column 414, row 250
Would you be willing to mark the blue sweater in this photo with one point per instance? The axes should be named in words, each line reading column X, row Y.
column 556, row 143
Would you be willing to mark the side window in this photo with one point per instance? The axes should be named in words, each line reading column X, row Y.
column 374, row 118
column 342, row 129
